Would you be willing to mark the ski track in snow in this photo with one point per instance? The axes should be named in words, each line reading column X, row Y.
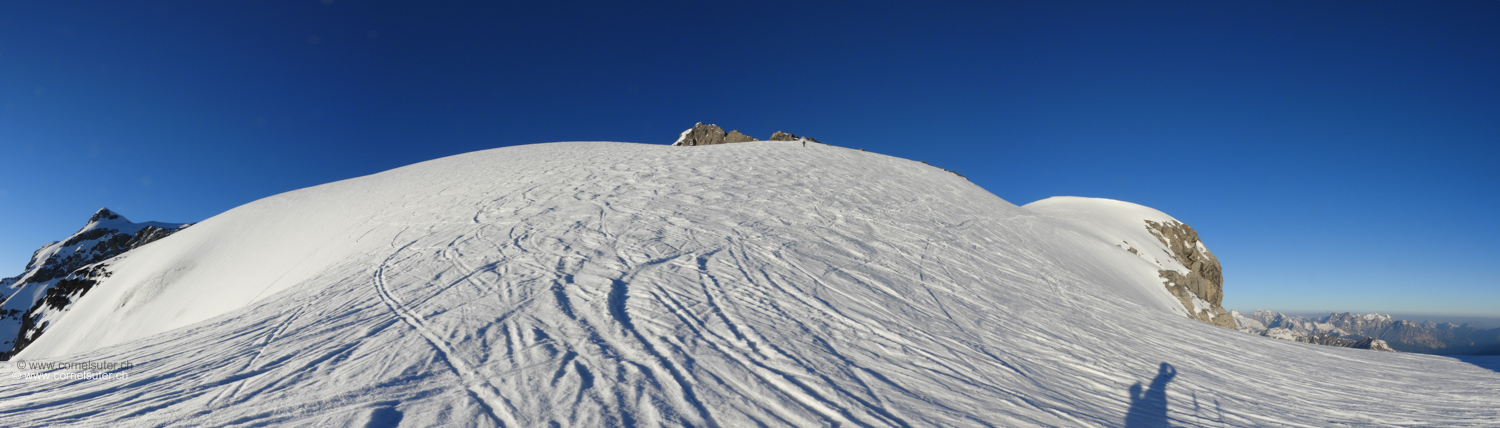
column 754, row 284
column 497, row 406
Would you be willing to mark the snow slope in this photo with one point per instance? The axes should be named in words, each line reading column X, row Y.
column 609, row 284
column 1119, row 226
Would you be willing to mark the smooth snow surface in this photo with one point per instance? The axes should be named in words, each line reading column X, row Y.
column 608, row 284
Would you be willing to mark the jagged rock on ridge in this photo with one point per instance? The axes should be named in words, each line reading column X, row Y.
column 700, row 135
column 787, row 136
column 736, row 137
column 955, row 173
column 705, row 135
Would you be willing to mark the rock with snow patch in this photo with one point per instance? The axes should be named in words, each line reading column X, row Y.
column 706, row 135
column 1187, row 272
column 1373, row 344
column 1204, row 281
column 787, row 136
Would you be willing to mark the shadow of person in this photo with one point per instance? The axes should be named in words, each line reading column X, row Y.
column 1149, row 408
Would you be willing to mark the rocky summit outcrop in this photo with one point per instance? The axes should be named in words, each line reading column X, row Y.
column 707, row 135
column 60, row 272
column 736, row 137
column 1201, row 289
column 787, row 136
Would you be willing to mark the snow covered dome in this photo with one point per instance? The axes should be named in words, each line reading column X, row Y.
column 610, row 284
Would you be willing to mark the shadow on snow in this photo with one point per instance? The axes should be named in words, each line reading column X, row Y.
column 1491, row 362
column 1148, row 407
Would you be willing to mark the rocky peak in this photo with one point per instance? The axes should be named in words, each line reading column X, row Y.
column 104, row 214
column 705, row 135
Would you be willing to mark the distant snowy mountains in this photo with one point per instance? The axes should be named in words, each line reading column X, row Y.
column 759, row 283
column 1349, row 330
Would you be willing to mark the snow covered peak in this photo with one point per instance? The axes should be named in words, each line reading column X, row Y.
column 104, row 218
column 1117, row 223
column 1190, row 273
column 104, row 214
column 70, row 263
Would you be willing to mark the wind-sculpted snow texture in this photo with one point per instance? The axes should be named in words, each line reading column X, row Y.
column 608, row 284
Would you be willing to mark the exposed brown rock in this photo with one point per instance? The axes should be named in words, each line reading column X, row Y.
column 1205, row 278
column 705, row 135
column 783, row 136
column 701, row 135
column 736, row 137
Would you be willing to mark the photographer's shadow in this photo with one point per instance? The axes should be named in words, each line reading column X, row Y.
column 1148, row 408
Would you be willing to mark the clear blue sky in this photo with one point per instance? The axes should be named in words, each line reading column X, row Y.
column 1334, row 155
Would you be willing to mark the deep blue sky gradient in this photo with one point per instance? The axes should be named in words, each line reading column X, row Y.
column 1334, row 155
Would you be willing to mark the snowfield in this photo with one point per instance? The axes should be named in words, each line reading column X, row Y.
column 749, row 284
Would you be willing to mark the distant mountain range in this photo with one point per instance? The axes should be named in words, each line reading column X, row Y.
column 1345, row 329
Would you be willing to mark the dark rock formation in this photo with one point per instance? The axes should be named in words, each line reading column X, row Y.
column 1326, row 339
column 1205, row 278
column 966, row 178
